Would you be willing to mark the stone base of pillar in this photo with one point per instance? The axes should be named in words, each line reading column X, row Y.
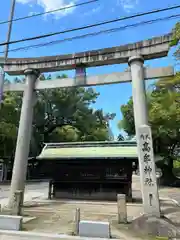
column 16, row 209
column 150, row 225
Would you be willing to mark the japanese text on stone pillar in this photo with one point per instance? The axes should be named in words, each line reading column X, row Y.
column 146, row 150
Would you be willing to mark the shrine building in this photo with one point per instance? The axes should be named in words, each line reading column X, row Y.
column 88, row 170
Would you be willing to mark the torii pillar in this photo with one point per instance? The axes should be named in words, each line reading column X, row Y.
column 136, row 64
column 24, row 136
column 148, row 180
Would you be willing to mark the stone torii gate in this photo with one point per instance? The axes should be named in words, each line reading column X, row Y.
column 133, row 54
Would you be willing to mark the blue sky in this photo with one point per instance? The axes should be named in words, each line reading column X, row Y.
column 111, row 96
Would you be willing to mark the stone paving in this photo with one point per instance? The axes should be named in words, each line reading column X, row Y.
column 49, row 237
column 32, row 192
column 4, row 235
column 40, row 188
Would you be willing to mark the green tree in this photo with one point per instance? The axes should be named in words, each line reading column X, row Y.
column 65, row 133
column 164, row 118
column 58, row 108
column 127, row 122
column 9, row 119
column 176, row 39
column 59, row 115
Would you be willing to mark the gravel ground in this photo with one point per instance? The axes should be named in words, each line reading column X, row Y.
column 59, row 217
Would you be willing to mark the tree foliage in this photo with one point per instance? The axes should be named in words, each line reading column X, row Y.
column 164, row 119
column 60, row 115
column 127, row 122
column 176, row 39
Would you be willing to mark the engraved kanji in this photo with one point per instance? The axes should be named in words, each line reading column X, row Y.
column 147, row 158
column 147, row 169
column 146, row 147
column 149, row 181
column 145, row 137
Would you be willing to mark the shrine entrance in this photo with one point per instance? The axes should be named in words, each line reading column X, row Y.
column 134, row 54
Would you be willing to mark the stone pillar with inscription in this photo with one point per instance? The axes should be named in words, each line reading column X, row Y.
column 149, row 187
column 24, row 136
column 144, row 138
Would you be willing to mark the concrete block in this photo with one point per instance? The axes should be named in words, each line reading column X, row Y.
column 12, row 223
column 94, row 229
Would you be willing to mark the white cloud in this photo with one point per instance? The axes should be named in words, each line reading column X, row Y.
column 93, row 11
column 32, row 13
column 96, row 10
column 128, row 5
column 49, row 5
column 24, row 1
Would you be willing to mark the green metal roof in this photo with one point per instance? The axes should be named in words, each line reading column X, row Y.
column 89, row 150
